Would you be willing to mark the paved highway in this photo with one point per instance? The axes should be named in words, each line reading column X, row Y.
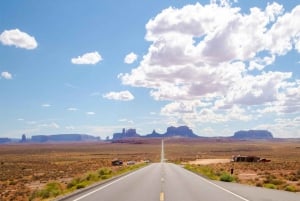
column 170, row 182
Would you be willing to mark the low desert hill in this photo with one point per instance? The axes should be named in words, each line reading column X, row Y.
column 253, row 134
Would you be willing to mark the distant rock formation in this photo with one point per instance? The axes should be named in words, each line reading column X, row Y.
column 253, row 134
column 23, row 139
column 181, row 131
column 154, row 134
column 126, row 134
column 4, row 140
column 63, row 138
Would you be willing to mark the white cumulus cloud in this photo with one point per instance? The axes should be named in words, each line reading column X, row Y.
column 221, row 60
column 72, row 109
column 87, row 58
column 18, row 38
column 90, row 113
column 6, row 75
column 122, row 96
column 130, row 58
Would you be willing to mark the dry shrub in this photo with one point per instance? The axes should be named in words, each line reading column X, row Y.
column 25, row 168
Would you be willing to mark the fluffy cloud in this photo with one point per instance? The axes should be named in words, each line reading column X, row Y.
column 90, row 113
column 46, row 105
column 257, row 90
column 283, row 127
column 6, row 75
column 192, row 112
column 284, row 34
column 130, row 58
column 221, row 60
column 178, row 107
column 18, row 38
column 87, row 58
column 122, row 95
column 72, row 109
column 287, row 103
column 290, row 101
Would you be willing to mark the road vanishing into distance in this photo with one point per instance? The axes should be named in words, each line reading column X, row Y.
column 169, row 182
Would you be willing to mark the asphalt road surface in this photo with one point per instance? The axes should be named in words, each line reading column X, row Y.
column 170, row 182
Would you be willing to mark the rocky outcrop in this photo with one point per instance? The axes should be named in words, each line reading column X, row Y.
column 63, row 138
column 130, row 133
column 181, row 131
column 154, row 134
column 4, row 140
column 253, row 134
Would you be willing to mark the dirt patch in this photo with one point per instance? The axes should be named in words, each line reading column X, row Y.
column 247, row 176
column 209, row 161
column 25, row 168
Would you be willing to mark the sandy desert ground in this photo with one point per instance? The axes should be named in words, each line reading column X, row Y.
column 28, row 167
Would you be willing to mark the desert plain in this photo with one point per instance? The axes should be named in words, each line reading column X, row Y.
column 27, row 168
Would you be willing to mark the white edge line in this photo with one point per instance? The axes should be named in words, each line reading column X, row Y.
column 102, row 187
column 220, row 187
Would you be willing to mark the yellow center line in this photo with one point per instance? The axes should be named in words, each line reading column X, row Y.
column 162, row 196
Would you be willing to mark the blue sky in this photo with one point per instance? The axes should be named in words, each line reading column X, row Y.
column 99, row 66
